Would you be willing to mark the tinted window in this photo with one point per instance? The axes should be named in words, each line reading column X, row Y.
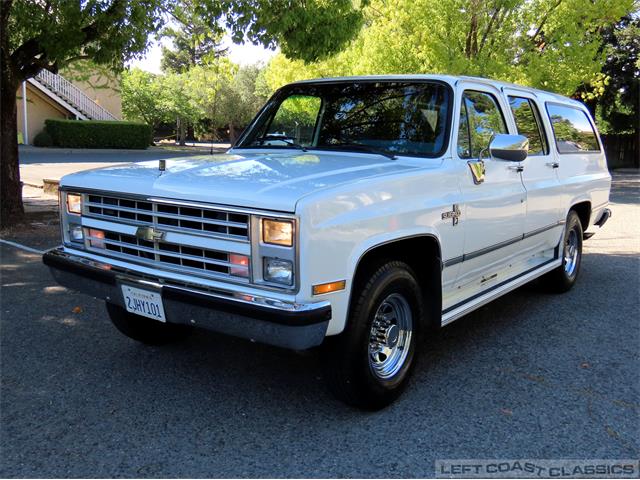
column 528, row 123
column 480, row 119
column 399, row 117
column 572, row 129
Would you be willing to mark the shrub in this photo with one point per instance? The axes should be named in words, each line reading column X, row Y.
column 98, row 134
column 43, row 139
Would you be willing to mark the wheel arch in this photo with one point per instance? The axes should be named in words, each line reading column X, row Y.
column 583, row 209
column 423, row 254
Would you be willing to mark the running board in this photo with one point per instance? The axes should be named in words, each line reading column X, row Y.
column 497, row 291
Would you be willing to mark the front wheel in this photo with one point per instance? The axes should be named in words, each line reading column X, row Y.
column 564, row 277
column 369, row 364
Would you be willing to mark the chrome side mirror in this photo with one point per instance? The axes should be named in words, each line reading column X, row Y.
column 512, row 148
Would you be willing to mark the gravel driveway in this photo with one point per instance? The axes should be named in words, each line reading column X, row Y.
column 531, row 375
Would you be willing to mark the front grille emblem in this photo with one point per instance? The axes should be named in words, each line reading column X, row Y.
column 150, row 234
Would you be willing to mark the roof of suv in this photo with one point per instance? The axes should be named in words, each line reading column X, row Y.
column 450, row 79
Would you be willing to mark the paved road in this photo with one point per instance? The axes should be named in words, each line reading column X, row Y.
column 32, row 155
column 37, row 164
column 530, row 376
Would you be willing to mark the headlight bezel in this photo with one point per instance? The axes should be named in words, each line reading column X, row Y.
column 70, row 218
column 261, row 249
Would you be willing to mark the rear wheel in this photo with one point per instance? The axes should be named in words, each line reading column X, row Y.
column 564, row 277
column 369, row 364
column 143, row 329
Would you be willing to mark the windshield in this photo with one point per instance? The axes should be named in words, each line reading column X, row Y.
column 393, row 118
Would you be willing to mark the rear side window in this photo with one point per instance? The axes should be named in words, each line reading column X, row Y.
column 527, row 118
column 480, row 119
column 572, row 129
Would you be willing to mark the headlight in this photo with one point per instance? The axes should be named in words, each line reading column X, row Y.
column 277, row 232
column 278, row 271
column 75, row 233
column 74, row 203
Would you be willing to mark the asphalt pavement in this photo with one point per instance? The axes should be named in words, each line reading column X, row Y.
column 38, row 164
column 529, row 376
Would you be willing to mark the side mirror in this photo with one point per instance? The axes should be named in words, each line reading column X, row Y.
column 512, row 148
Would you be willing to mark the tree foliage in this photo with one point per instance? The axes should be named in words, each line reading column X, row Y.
column 37, row 34
column 617, row 89
column 196, row 38
column 208, row 97
column 142, row 97
column 551, row 44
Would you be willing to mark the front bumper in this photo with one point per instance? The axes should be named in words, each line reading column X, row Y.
column 261, row 319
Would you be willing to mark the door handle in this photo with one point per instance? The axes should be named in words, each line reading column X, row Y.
column 516, row 168
column 553, row 164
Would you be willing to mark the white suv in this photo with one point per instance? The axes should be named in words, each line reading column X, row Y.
column 357, row 213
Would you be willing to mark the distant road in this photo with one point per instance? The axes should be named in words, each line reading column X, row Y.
column 37, row 164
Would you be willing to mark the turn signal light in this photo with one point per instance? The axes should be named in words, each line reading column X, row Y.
column 243, row 265
column 96, row 238
column 329, row 287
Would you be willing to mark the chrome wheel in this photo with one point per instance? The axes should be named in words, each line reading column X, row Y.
column 390, row 337
column 571, row 253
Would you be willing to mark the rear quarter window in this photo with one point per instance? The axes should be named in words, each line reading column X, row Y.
column 572, row 129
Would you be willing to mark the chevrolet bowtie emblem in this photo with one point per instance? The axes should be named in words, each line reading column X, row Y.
column 149, row 234
column 453, row 214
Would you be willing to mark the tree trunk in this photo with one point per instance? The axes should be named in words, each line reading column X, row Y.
column 232, row 133
column 182, row 132
column 11, row 209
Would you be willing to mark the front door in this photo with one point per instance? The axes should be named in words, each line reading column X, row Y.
column 494, row 209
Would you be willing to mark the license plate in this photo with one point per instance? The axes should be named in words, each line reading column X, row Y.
column 143, row 302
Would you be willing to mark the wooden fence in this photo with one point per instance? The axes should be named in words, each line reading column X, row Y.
column 622, row 150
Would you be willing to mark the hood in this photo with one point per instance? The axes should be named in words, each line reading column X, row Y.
column 271, row 181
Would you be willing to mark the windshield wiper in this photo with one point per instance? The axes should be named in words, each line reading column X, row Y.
column 278, row 138
column 359, row 147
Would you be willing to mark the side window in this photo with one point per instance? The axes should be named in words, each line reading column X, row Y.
column 528, row 123
column 572, row 129
column 480, row 119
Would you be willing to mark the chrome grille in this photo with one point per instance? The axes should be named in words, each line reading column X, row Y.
column 166, row 254
column 188, row 219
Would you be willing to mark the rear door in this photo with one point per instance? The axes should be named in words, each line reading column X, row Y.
column 542, row 227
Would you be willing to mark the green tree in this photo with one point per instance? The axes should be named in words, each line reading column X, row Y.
column 143, row 98
column 551, row 44
column 615, row 96
column 240, row 99
column 36, row 35
column 196, row 38
column 51, row 34
column 217, row 95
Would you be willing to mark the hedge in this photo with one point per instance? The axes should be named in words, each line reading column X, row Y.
column 98, row 134
column 43, row 139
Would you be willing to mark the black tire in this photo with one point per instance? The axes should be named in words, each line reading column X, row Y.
column 348, row 358
column 563, row 278
column 143, row 329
